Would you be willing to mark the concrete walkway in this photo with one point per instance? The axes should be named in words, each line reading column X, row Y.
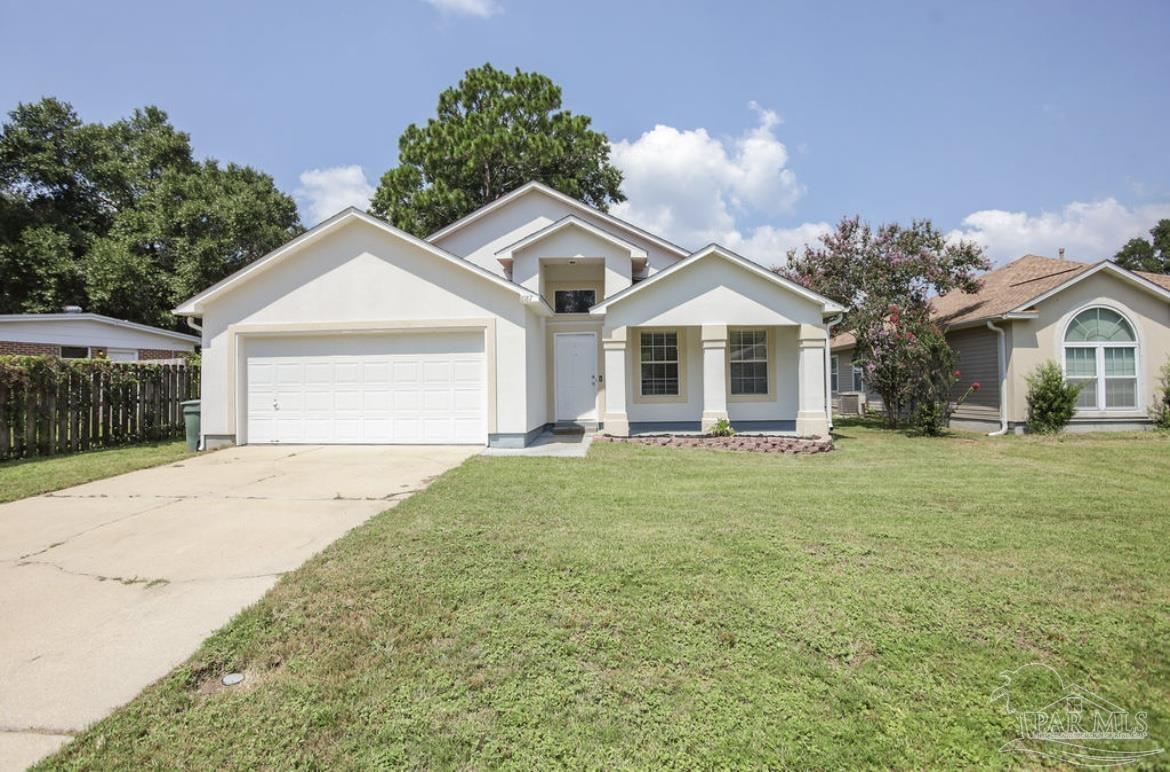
column 107, row 586
column 549, row 444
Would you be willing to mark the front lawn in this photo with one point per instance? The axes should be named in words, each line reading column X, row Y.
column 657, row 607
column 30, row 477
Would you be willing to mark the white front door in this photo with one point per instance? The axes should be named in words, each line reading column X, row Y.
column 576, row 375
column 420, row 388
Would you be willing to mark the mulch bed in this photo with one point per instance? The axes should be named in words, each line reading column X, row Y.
column 749, row 443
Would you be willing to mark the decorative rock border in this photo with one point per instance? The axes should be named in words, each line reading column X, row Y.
column 750, row 443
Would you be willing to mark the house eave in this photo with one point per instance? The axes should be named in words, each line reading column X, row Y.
column 828, row 307
column 195, row 305
column 101, row 319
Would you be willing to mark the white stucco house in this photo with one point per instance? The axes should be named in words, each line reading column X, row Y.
column 531, row 311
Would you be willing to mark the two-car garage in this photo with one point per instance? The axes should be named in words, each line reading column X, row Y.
column 403, row 388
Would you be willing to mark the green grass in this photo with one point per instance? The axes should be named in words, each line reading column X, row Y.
column 660, row 607
column 30, row 477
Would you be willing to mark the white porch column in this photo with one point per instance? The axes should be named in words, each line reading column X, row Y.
column 714, row 337
column 812, row 417
column 616, row 382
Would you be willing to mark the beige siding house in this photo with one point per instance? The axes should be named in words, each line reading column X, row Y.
column 1107, row 327
column 532, row 311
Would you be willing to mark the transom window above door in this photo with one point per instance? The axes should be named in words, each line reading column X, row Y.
column 659, row 364
column 1100, row 355
column 574, row 301
column 748, row 361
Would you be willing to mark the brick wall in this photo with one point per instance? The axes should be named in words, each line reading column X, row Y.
column 160, row 353
column 28, row 349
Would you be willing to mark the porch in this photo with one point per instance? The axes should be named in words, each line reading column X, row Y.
column 684, row 379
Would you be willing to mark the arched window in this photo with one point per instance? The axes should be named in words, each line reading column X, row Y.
column 1100, row 353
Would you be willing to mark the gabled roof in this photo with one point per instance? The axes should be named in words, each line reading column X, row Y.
column 101, row 319
column 1015, row 288
column 714, row 250
column 570, row 221
column 1023, row 283
column 1006, row 288
column 194, row 306
column 569, row 201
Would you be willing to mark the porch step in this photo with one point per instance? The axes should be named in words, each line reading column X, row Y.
column 568, row 429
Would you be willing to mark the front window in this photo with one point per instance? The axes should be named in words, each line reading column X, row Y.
column 749, row 361
column 833, row 374
column 74, row 352
column 574, row 301
column 858, row 379
column 1100, row 355
column 659, row 351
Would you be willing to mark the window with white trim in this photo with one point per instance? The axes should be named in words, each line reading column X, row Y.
column 659, row 364
column 858, row 379
column 833, row 374
column 749, row 361
column 1100, row 355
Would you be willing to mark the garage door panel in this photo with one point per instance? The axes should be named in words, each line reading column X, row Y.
column 380, row 399
column 468, row 400
column 436, row 372
column 347, row 400
column 425, row 388
column 318, row 401
column 438, row 400
column 467, row 371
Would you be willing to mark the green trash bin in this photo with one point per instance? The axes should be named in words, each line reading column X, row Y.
column 191, row 418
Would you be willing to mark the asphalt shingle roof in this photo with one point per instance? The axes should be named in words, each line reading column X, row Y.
column 1006, row 288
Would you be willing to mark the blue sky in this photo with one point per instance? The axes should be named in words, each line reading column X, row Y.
column 1029, row 126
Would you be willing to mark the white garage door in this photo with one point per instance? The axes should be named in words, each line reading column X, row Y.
column 422, row 388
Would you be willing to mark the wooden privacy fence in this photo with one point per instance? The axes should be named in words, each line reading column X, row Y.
column 50, row 406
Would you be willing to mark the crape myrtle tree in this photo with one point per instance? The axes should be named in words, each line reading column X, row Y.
column 885, row 277
column 120, row 218
column 494, row 132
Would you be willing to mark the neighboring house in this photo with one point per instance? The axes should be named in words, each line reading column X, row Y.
column 533, row 310
column 77, row 335
column 1107, row 327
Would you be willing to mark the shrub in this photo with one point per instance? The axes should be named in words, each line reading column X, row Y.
column 722, row 428
column 932, row 416
column 1160, row 410
column 1051, row 400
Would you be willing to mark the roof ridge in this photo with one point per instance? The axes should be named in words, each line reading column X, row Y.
column 1080, row 267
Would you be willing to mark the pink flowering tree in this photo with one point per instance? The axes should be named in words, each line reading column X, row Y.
column 885, row 278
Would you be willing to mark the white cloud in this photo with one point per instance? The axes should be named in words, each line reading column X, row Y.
column 695, row 189
column 480, row 9
column 1088, row 231
column 325, row 192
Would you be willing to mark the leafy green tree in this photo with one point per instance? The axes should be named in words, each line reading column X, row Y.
column 494, row 132
column 49, row 205
column 1151, row 255
column 188, row 231
column 121, row 218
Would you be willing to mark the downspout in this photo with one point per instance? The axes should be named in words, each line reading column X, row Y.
column 1001, row 360
column 194, row 325
column 829, row 366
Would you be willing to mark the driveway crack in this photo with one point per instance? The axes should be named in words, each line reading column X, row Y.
column 126, row 580
column 70, row 537
column 39, row 730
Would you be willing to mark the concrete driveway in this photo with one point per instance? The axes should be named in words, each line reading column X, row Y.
column 107, row 586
